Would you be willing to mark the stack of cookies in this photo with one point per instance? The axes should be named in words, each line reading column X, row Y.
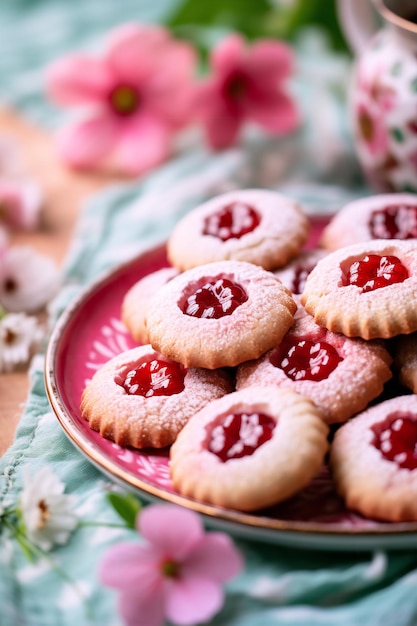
column 255, row 348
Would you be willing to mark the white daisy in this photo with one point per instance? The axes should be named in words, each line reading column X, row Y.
column 28, row 279
column 20, row 337
column 46, row 509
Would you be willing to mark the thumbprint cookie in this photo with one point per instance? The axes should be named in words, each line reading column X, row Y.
column 219, row 314
column 141, row 399
column 250, row 449
column 366, row 290
column 136, row 300
column 384, row 216
column 340, row 375
column 374, row 460
column 254, row 225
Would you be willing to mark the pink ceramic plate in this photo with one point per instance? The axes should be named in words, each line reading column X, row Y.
column 88, row 334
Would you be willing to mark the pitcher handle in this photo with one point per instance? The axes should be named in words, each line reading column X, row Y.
column 358, row 20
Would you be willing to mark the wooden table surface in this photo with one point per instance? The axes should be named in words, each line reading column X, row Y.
column 65, row 192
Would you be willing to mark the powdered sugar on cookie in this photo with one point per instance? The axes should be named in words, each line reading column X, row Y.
column 340, row 375
column 219, row 314
column 141, row 399
column 249, row 449
column 137, row 298
column 366, row 290
column 374, row 463
column 384, row 216
column 254, row 225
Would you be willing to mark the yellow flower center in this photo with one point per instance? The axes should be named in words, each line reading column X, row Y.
column 3, row 210
column 170, row 569
column 366, row 127
column 44, row 514
column 10, row 337
column 124, row 99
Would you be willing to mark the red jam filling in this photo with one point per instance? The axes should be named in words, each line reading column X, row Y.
column 396, row 438
column 212, row 298
column 232, row 221
column 397, row 221
column 374, row 272
column 152, row 377
column 300, row 277
column 239, row 434
column 305, row 359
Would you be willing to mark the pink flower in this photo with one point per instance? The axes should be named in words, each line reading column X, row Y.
column 177, row 574
column 20, row 204
column 131, row 99
column 248, row 84
column 382, row 95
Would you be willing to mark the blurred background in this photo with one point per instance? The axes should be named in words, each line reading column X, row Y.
column 35, row 32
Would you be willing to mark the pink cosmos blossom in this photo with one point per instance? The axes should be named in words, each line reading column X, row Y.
column 176, row 575
column 247, row 84
column 20, row 204
column 131, row 100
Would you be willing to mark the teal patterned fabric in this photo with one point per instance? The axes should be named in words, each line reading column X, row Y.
column 280, row 585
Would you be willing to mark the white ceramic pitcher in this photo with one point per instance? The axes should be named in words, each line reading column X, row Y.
column 383, row 96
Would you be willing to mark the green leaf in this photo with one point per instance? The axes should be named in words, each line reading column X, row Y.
column 126, row 505
column 245, row 16
column 397, row 134
column 254, row 19
column 408, row 188
column 205, row 24
column 413, row 85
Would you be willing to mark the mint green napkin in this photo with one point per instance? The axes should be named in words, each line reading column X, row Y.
column 280, row 585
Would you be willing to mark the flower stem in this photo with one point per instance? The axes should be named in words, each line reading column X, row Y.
column 106, row 524
column 31, row 548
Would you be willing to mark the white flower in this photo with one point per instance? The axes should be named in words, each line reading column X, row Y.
column 20, row 336
column 46, row 509
column 28, row 280
column 20, row 203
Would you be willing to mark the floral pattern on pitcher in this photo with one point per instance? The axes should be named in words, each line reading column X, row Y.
column 384, row 110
